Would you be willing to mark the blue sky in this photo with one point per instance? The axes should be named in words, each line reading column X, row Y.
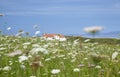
column 59, row 16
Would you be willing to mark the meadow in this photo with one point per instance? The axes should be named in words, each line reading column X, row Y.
column 37, row 57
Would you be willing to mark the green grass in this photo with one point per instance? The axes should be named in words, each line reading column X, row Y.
column 93, row 58
column 99, row 40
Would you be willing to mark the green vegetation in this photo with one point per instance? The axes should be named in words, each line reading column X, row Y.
column 98, row 40
column 76, row 57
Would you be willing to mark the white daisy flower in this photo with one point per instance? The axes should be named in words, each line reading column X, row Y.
column 37, row 32
column 9, row 28
column 114, row 55
column 7, row 68
column 55, row 71
column 22, row 58
column 76, row 69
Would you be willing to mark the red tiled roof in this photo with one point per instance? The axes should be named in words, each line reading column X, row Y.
column 53, row 35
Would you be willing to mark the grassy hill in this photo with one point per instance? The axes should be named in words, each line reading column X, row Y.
column 98, row 40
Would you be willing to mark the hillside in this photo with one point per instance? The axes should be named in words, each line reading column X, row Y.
column 98, row 40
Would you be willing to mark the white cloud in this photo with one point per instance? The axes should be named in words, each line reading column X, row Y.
column 55, row 1
column 64, row 11
column 54, row 9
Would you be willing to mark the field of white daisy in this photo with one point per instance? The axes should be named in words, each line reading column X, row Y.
column 36, row 57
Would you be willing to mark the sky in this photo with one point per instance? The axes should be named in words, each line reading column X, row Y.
column 59, row 16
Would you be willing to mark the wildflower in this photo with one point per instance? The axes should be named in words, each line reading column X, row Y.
column 35, row 26
column 53, row 57
column 60, row 56
column 32, row 76
column 7, row 68
column 81, row 65
column 76, row 41
column 98, row 67
column 22, row 66
column 62, row 39
column 22, row 58
column 55, row 71
column 36, row 50
column 9, row 28
column 37, row 32
column 0, row 69
column 85, row 47
column 10, row 63
column 119, row 72
column 85, row 58
column 35, row 45
column 93, row 30
column 12, row 54
column 1, row 14
column 45, row 46
column 87, row 40
column 73, row 60
column 64, row 58
column 29, row 56
column 76, row 69
column 25, row 46
column 91, row 65
column 19, row 34
column 48, row 59
column 2, row 49
column 114, row 55
column 70, row 53
column 27, row 43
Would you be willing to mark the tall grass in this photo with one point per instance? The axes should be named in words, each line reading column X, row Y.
column 36, row 57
